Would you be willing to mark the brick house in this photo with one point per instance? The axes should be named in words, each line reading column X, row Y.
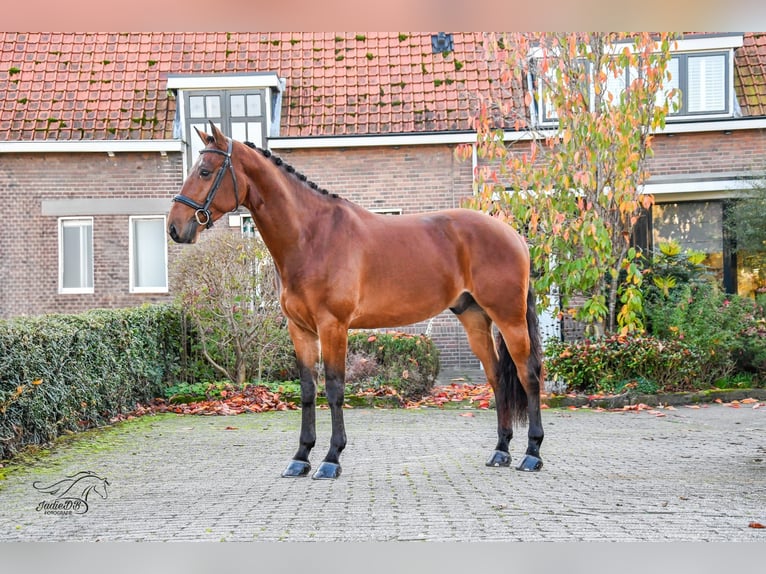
column 96, row 137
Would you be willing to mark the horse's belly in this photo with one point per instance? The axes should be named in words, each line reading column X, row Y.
column 398, row 309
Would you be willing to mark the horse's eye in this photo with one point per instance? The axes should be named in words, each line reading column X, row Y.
column 204, row 172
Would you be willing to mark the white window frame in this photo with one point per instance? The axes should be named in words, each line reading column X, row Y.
column 268, row 84
column 75, row 290
column 133, row 288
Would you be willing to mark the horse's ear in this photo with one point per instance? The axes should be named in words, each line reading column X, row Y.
column 220, row 139
column 202, row 135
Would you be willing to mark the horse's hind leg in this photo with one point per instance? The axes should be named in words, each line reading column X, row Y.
column 520, row 374
column 478, row 328
column 307, row 352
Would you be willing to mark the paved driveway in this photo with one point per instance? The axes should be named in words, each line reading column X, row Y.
column 695, row 474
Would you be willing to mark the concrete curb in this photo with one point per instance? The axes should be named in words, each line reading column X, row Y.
column 653, row 400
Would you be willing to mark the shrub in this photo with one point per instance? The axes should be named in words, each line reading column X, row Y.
column 227, row 287
column 730, row 330
column 409, row 363
column 622, row 363
column 63, row 373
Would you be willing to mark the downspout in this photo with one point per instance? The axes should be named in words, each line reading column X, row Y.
column 474, row 167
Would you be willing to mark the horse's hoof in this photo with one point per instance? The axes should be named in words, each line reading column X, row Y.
column 499, row 458
column 327, row 470
column 530, row 463
column 296, row 468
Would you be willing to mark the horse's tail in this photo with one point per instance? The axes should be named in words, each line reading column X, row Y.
column 508, row 377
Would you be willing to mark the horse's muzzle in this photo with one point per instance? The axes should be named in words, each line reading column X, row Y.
column 182, row 236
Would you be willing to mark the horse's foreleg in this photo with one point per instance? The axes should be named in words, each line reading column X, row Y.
column 307, row 353
column 334, row 339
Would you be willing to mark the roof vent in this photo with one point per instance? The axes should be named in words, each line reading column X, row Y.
column 441, row 42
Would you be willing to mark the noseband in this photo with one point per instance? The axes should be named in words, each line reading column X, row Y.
column 202, row 213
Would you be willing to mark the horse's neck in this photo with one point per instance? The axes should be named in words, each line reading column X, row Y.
column 285, row 209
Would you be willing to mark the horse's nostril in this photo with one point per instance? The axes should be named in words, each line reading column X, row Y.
column 173, row 233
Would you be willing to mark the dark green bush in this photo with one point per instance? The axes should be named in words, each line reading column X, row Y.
column 409, row 363
column 617, row 364
column 69, row 372
column 730, row 330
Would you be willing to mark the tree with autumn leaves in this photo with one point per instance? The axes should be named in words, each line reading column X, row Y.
column 573, row 184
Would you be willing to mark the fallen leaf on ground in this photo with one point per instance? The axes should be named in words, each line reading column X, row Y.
column 692, row 406
column 466, row 414
column 756, row 525
column 748, row 401
column 231, row 428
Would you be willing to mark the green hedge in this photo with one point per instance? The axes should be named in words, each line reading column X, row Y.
column 637, row 362
column 69, row 372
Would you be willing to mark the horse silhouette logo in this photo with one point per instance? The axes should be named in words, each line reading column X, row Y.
column 71, row 494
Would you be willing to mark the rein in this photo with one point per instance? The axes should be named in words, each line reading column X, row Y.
column 202, row 213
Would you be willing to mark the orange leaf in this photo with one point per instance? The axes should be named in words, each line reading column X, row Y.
column 231, row 428
column 756, row 525
column 692, row 406
column 40, row 381
column 747, row 401
column 719, row 401
column 372, row 339
column 467, row 414
column 544, row 406
column 733, row 404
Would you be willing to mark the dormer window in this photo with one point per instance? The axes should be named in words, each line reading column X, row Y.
column 244, row 106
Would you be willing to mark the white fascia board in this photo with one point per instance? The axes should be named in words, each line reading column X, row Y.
column 223, row 81
column 713, row 126
column 91, row 146
column 697, row 186
column 372, row 140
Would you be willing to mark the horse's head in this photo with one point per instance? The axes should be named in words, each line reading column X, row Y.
column 209, row 191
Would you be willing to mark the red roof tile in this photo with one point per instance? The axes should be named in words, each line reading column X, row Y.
column 750, row 74
column 113, row 86
column 90, row 86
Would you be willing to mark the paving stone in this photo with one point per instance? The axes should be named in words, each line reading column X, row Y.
column 693, row 475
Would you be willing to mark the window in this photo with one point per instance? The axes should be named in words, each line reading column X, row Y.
column 703, row 82
column 148, row 255
column 76, row 255
column 696, row 225
column 238, row 113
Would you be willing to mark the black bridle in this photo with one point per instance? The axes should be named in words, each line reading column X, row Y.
column 204, row 209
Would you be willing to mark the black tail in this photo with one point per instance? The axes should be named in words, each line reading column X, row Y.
column 508, row 377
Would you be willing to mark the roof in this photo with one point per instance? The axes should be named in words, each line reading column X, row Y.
column 112, row 86
column 68, row 86
column 750, row 74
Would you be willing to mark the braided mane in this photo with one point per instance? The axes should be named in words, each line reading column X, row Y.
column 290, row 169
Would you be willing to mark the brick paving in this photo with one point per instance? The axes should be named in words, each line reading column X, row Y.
column 693, row 475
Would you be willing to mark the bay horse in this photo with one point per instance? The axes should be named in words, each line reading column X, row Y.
column 343, row 267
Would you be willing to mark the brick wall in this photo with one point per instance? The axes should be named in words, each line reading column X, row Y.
column 711, row 152
column 416, row 178
column 29, row 246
